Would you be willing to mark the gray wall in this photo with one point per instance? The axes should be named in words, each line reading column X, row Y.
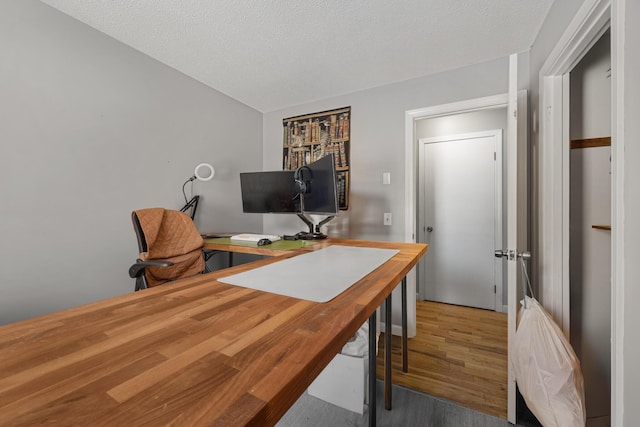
column 90, row 130
column 378, row 146
column 378, row 142
column 590, row 92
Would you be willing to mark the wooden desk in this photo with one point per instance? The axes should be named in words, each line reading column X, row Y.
column 280, row 247
column 193, row 352
column 283, row 247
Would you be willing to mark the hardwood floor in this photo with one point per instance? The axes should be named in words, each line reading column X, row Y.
column 459, row 353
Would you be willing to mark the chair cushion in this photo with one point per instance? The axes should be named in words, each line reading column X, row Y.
column 170, row 235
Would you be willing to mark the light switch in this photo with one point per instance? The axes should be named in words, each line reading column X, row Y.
column 387, row 218
column 386, row 178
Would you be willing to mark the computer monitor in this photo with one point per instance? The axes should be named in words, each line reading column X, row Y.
column 316, row 183
column 321, row 197
column 269, row 192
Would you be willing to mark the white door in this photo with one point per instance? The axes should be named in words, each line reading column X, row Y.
column 460, row 217
column 517, row 212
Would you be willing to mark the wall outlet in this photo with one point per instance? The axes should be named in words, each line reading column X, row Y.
column 386, row 178
column 387, row 218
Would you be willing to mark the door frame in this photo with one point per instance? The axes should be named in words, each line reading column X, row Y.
column 411, row 146
column 592, row 19
column 589, row 24
column 499, row 191
column 411, row 155
column 517, row 107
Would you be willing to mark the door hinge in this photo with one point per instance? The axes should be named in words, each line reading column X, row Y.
column 495, row 289
column 494, row 156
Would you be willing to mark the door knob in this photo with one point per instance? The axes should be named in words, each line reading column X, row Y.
column 429, row 229
column 500, row 253
column 509, row 254
column 524, row 255
column 505, row 253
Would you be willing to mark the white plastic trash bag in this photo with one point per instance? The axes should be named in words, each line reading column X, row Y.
column 547, row 370
column 358, row 345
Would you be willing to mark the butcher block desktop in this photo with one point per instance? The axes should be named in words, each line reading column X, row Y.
column 192, row 352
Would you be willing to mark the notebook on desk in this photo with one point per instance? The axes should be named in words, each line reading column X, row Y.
column 253, row 238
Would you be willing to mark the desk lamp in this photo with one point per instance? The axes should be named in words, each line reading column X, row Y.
column 202, row 172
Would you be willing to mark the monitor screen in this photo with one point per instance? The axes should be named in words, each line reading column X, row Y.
column 269, row 192
column 321, row 197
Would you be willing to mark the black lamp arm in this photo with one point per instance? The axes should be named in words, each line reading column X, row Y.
column 191, row 203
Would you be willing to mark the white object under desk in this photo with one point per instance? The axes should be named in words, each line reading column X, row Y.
column 317, row 276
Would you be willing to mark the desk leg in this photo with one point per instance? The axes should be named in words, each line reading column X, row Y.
column 387, row 353
column 405, row 348
column 373, row 329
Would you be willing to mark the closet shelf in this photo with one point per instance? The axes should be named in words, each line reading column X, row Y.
column 591, row 142
column 602, row 227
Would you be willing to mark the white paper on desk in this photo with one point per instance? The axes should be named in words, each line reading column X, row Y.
column 317, row 276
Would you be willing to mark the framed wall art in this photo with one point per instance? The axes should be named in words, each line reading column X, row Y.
column 312, row 136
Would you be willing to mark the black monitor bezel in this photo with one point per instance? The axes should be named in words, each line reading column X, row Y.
column 322, row 195
column 284, row 191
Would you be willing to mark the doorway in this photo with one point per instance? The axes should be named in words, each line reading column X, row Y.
column 582, row 311
column 460, row 199
column 590, row 226
column 514, row 103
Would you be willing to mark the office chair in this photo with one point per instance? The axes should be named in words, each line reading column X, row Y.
column 170, row 247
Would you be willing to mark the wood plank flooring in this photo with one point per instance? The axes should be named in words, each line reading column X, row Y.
column 459, row 354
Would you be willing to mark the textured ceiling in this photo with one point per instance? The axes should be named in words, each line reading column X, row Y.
column 272, row 54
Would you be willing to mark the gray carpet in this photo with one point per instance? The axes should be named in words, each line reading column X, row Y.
column 410, row 409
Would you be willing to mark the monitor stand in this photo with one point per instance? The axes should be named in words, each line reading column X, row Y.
column 314, row 230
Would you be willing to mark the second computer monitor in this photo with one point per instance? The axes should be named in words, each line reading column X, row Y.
column 321, row 197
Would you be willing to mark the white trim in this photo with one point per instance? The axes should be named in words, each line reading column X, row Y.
column 409, row 216
column 512, row 228
column 467, row 106
column 411, row 148
column 618, row 25
column 549, row 259
column 410, row 177
column 498, row 226
column 566, row 206
column 589, row 23
column 410, row 145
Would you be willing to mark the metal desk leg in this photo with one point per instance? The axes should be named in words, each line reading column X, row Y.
column 372, row 368
column 387, row 353
column 405, row 348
